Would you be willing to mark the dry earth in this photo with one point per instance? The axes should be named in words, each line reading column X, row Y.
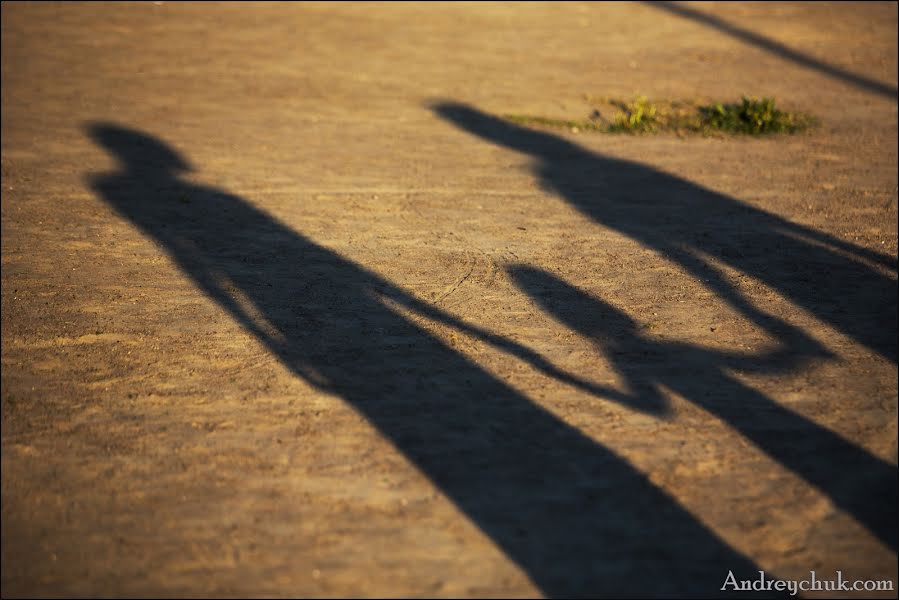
column 376, row 342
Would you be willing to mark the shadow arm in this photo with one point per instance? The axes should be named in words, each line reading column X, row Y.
column 504, row 344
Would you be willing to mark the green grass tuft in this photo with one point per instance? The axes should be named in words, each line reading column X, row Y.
column 752, row 117
column 638, row 116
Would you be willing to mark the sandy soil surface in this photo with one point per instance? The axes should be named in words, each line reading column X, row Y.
column 287, row 311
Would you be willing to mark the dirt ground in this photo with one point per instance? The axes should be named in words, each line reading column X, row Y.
column 287, row 311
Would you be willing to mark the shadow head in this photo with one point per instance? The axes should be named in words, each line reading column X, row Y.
column 138, row 152
column 586, row 314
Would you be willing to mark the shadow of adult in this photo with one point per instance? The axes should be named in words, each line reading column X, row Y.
column 690, row 225
column 577, row 518
column 861, row 484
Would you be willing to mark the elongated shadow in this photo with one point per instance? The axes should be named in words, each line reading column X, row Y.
column 856, row 481
column 778, row 49
column 578, row 519
column 690, row 225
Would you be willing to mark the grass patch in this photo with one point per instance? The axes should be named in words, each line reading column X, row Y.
column 753, row 117
column 638, row 116
column 750, row 116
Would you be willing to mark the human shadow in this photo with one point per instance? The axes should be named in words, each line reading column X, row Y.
column 694, row 226
column 839, row 282
column 856, row 481
column 577, row 518
column 777, row 48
